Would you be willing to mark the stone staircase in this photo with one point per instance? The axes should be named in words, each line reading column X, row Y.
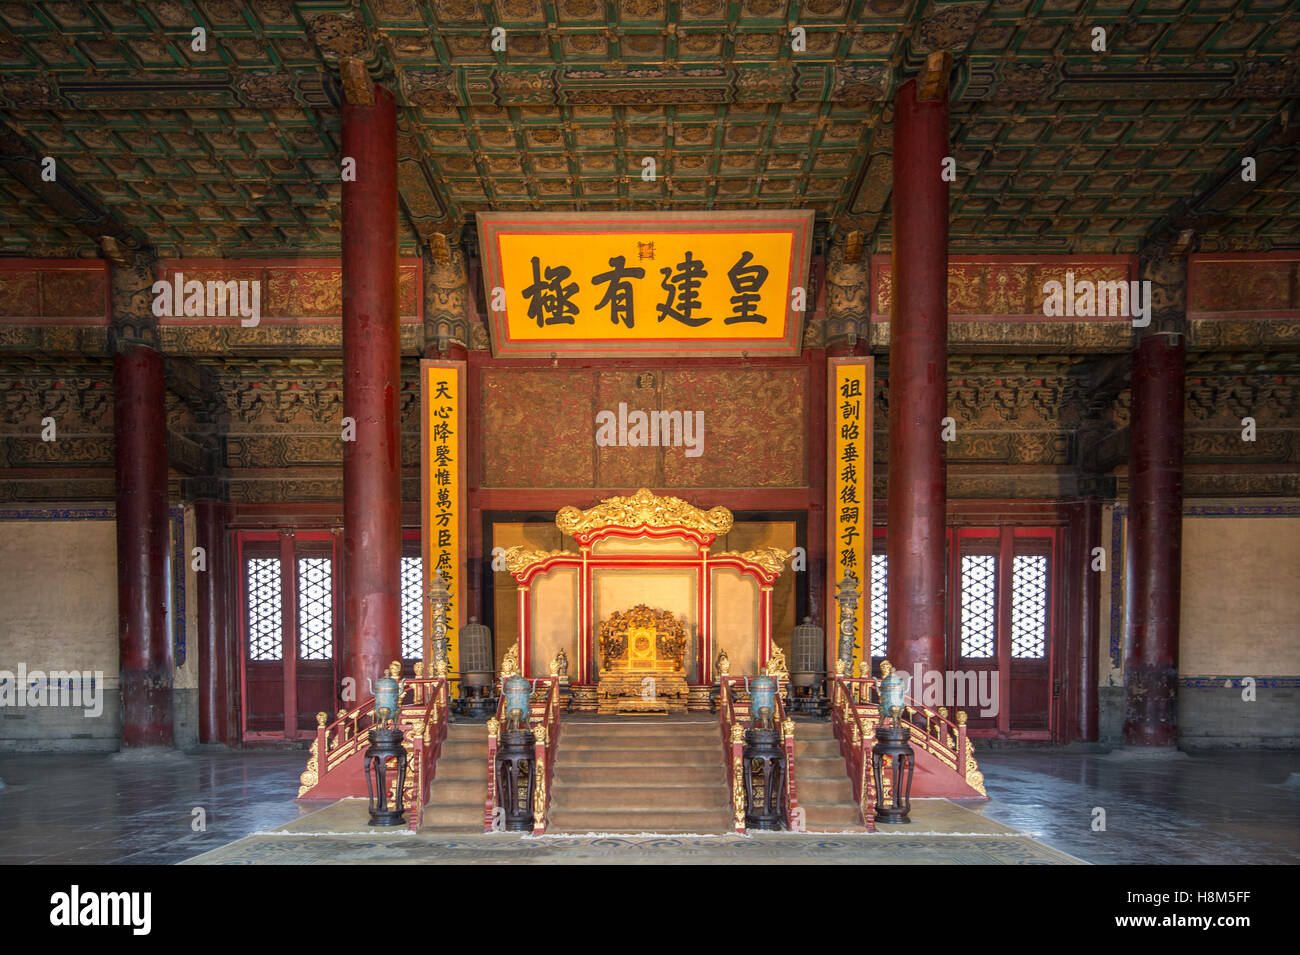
column 635, row 775
column 460, row 786
column 821, row 782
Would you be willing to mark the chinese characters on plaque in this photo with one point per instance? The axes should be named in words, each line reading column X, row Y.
column 622, row 285
column 443, row 474
column 550, row 296
column 849, row 507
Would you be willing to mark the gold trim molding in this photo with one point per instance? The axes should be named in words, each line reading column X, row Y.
column 644, row 508
column 771, row 559
column 520, row 559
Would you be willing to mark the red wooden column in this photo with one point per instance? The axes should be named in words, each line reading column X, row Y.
column 1153, row 565
column 216, row 705
column 372, row 492
column 918, row 377
column 1089, row 616
column 143, row 546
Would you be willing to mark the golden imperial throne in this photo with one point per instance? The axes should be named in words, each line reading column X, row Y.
column 642, row 653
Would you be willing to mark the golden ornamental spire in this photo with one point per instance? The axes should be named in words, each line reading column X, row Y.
column 644, row 508
column 510, row 664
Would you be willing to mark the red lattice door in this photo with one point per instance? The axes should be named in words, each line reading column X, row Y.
column 290, row 609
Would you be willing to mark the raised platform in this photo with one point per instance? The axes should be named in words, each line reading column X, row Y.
column 944, row 833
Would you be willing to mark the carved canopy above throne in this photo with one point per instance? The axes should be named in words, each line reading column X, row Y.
column 644, row 596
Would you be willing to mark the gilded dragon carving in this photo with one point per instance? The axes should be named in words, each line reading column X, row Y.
column 643, row 509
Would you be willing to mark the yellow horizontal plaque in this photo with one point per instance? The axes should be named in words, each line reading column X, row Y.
column 630, row 284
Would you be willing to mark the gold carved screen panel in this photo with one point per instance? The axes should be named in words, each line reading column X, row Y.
column 673, row 589
column 670, row 589
column 735, row 622
column 504, row 596
column 754, row 535
column 555, row 608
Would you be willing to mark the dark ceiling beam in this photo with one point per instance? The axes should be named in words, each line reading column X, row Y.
column 186, row 456
column 1104, row 378
column 194, row 384
column 23, row 161
column 1101, row 453
column 1275, row 146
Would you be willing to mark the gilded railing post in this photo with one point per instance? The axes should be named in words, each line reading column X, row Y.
column 439, row 595
column 489, row 806
column 791, row 797
column 539, row 789
column 846, row 595
column 738, row 774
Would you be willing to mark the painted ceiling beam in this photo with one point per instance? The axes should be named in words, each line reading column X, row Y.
column 1272, row 149
column 62, row 196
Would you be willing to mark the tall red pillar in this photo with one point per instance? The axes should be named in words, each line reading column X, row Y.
column 143, row 547
column 216, row 706
column 372, row 492
column 918, row 381
column 1088, row 617
column 1153, row 566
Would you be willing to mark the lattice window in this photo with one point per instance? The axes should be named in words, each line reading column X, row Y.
column 1028, row 606
column 315, row 608
column 979, row 587
column 265, row 631
column 879, row 604
column 412, row 608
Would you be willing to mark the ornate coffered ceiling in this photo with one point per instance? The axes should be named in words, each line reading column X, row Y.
column 234, row 149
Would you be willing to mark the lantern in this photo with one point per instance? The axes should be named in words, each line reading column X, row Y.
column 808, row 657
column 476, row 670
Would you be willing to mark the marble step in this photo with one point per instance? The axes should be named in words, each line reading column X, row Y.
column 827, row 791
column 463, row 817
column 445, row 792
column 815, row 747
column 643, row 744
column 641, row 797
column 622, row 775
column 461, row 769
column 574, row 755
column 838, row 816
column 639, row 730
column 581, row 821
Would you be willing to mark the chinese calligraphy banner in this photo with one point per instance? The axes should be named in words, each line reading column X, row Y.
column 442, row 473
column 848, row 505
column 643, row 284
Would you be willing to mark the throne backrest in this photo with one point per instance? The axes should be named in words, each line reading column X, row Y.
column 642, row 638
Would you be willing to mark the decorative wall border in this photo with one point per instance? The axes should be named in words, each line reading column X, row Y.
column 1018, row 297
column 1217, row 682
column 177, row 517
column 1249, row 285
column 57, row 292
column 294, row 292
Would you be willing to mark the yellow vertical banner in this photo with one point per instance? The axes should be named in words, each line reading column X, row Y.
column 849, row 447
column 442, row 497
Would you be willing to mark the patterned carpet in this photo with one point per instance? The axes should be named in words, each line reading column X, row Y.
column 944, row 833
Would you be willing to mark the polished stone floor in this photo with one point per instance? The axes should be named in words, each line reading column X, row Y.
column 1230, row 807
